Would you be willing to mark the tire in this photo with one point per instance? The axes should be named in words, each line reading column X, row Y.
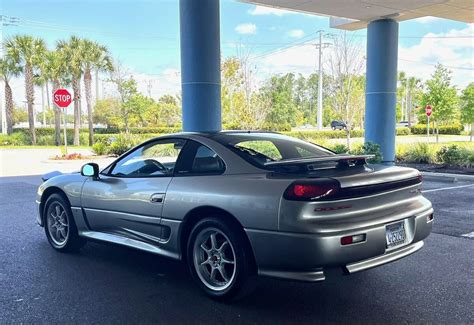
column 59, row 225
column 223, row 267
column 333, row 128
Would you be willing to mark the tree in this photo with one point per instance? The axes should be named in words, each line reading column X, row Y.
column 345, row 65
column 97, row 57
column 401, row 96
column 8, row 69
column 414, row 88
column 56, row 70
column 126, row 87
column 19, row 115
column 442, row 97
column 467, row 107
column 27, row 51
column 73, row 54
column 107, row 111
column 278, row 96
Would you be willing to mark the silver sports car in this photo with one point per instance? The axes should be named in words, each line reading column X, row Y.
column 234, row 205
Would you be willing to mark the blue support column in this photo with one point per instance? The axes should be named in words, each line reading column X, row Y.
column 200, row 65
column 381, row 86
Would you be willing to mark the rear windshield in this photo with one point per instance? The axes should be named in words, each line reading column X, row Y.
column 259, row 148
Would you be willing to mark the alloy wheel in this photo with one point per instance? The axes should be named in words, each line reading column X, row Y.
column 214, row 259
column 58, row 224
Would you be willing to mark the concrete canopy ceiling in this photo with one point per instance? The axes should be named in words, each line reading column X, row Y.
column 356, row 14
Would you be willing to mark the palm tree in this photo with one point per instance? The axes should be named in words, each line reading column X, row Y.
column 413, row 84
column 94, row 56
column 55, row 69
column 74, row 56
column 27, row 51
column 9, row 68
column 401, row 92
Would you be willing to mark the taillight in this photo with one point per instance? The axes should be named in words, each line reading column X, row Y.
column 309, row 191
column 420, row 178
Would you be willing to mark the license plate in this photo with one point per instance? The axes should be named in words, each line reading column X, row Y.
column 395, row 234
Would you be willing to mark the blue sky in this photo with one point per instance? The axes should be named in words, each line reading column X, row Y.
column 144, row 35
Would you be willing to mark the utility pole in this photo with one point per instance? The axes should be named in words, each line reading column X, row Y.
column 320, row 48
column 4, row 21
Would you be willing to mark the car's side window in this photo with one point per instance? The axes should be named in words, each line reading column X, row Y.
column 198, row 159
column 153, row 159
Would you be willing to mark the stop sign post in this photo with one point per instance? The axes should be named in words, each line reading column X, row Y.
column 62, row 98
column 428, row 111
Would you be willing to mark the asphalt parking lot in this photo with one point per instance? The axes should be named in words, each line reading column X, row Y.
column 111, row 284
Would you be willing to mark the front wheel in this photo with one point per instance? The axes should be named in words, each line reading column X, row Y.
column 219, row 259
column 59, row 225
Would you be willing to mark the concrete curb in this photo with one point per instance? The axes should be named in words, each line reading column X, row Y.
column 445, row 177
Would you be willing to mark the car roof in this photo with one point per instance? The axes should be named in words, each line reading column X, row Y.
column 212, row 134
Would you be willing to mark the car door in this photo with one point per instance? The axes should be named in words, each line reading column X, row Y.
column 128, row 197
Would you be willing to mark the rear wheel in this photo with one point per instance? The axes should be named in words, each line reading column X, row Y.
column 59, row 225
column 219, row 259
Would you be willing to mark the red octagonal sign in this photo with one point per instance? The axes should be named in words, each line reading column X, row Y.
column 428, row 110
column 62, row 98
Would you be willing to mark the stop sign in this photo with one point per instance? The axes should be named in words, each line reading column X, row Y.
column 428, row 110
column 62, row 98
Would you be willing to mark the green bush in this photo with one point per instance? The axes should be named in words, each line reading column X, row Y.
column 100, row 148
column 15, row 139
column 339, row 148
column 451, row 155
column 277, row 127
column 139, row 130
column 419, row 153
column 369, row 148
column 454, row 129
column 403, row 131
column 323, row 134
column 121, row 144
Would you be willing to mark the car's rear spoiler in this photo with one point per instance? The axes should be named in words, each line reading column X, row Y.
column 343, row 160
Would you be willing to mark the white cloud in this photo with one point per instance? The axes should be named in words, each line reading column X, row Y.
column 453, row 49
column 296, row 33
column 247, row 28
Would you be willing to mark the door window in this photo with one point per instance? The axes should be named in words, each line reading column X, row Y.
column 153, row 159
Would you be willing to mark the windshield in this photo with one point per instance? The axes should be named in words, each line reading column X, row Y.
column 260, row 148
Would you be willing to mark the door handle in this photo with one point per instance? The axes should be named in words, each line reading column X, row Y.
column 157, row 198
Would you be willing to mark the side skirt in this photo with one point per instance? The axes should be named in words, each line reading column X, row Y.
column 116, row 239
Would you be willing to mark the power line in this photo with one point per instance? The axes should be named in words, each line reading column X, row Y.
column 434, row 64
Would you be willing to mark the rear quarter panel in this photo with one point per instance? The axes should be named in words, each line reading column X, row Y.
column 253, row 199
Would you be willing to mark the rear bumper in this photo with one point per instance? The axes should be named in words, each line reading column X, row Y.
column 304, row 257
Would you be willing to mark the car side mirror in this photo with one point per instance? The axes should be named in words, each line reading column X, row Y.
column 90, row 170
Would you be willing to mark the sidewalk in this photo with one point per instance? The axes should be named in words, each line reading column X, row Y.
column 22, row 162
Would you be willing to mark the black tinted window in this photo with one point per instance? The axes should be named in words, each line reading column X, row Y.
column 260, row 148
column 206, row 161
